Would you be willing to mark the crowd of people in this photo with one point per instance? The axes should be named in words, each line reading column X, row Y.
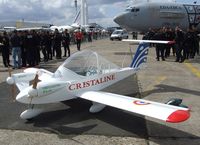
column 26, row 46
column 185, row 46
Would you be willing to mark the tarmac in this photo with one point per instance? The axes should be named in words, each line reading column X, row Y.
column 70, row 123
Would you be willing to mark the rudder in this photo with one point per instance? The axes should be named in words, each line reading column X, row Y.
column 140, row 56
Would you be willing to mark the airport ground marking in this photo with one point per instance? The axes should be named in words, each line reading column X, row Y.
column 193, row 69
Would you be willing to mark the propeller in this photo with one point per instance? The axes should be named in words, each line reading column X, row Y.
column 33, row 91
column 11, row 81
column 35, row 81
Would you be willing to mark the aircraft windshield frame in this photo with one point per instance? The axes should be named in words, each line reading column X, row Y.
column 133, row 9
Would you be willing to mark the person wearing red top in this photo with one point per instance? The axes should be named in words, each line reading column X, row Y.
column 78, row 37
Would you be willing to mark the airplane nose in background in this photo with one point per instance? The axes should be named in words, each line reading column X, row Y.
column 120, row 19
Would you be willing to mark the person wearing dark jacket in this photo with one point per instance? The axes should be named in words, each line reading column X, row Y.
column 31, row 50
column 44, row 45
column 66, row 43
column 179, row 39
column 16, row 49
column 5, row 49
column 37, row 40
column 169, row 36
column 57, row 38
column 188, row 44
column 49, row 46
column 24, row 48
column 160, row 47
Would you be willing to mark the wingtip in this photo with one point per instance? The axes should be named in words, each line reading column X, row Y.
column 178, row 116
column 171, row 42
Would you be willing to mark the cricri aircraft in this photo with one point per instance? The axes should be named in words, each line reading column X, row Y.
column 144, row 15
column 84, row 75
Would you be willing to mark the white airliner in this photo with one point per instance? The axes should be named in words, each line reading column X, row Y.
column 145, row 15
column 84, row 75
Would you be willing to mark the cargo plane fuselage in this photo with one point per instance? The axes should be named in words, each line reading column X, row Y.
column 142, row 16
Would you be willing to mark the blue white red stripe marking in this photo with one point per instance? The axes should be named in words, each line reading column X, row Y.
column 137, row 102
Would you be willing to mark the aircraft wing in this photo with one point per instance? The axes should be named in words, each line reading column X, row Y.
column 160, row 111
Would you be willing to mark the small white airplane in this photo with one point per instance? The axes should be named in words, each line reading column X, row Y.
column 70, row 28
column 84, row 75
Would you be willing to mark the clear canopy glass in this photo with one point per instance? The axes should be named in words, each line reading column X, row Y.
column 87, row 63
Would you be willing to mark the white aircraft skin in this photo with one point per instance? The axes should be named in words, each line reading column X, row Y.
column 142, row 16
column 70, row 28
column 66, row 84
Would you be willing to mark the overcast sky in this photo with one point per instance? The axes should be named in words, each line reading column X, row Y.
column 61, row 12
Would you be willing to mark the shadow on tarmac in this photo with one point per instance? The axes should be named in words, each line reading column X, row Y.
column 161, row 88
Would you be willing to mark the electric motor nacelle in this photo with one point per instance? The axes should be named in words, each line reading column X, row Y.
column 46, row 88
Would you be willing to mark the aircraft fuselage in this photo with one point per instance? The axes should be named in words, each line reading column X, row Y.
column 143, row 16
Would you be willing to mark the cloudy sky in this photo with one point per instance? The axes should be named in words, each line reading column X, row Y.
column 61, row 12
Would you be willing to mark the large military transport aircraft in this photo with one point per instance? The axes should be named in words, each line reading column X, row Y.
column 142, row 16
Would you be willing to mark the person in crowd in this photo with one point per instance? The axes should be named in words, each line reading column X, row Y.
column 49, row 46
column 179, row 38
column 169, row 36
column 78, row 37
column 44, row 45
column 196, row 41
column 66, row 43
column 90, row 36
column 160, row 47
column 37, row 41
column 57, row 38
column 150, row 34
column 16, row 49
column 24, row 48
column 5, row 49
column 31, row 48
column 188, row 44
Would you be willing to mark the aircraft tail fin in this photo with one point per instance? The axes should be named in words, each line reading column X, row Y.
column 142, row 51
column 140, row 56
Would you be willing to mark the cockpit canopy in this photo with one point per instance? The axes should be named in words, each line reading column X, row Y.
column 87, row 63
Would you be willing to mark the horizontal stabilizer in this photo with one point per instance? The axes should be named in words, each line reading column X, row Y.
column 148, row 41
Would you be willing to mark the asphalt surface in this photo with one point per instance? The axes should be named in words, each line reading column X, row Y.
column 159, row 81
